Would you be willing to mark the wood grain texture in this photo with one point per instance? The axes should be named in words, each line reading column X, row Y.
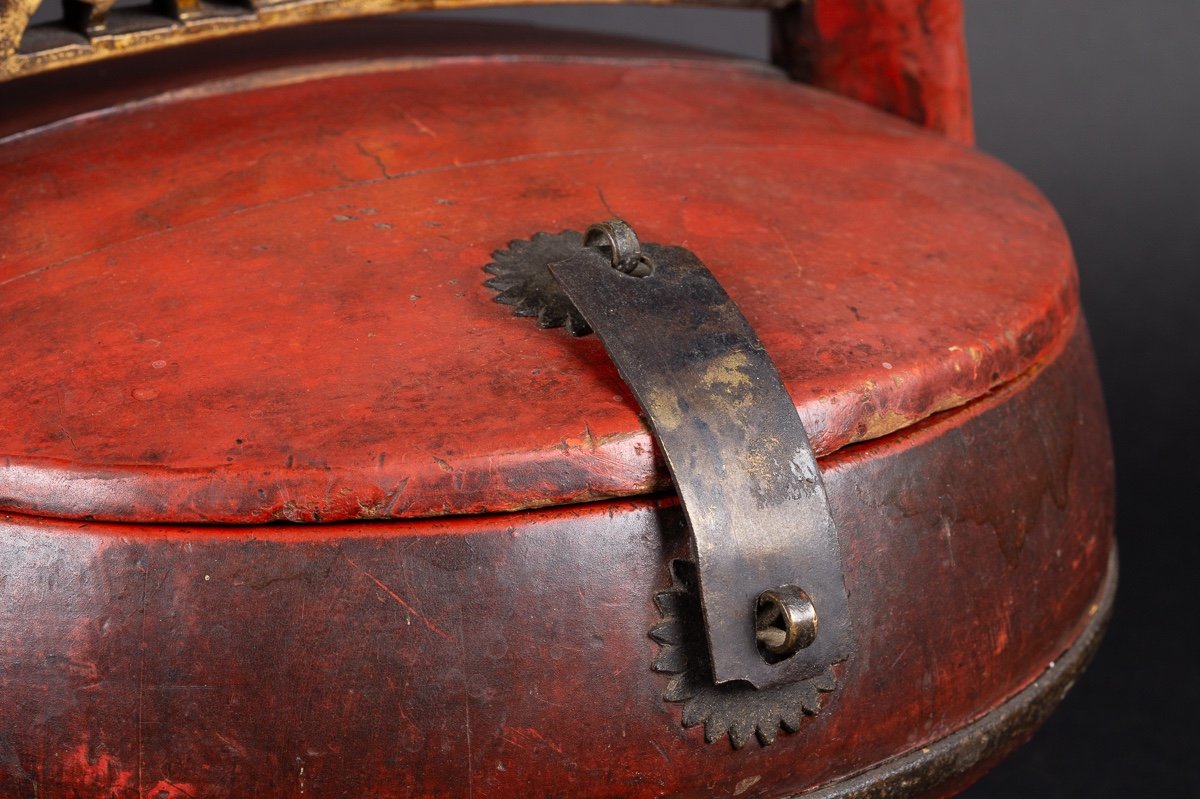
column 245, row 302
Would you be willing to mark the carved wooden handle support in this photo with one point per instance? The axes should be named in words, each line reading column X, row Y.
column 906, row 57
column 903, row 56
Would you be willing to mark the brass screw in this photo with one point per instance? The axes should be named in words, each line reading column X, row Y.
column 785, row 622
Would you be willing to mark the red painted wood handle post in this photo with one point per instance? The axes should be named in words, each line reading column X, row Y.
column 907, row 57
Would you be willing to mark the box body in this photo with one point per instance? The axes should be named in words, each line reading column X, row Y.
column 291, row 507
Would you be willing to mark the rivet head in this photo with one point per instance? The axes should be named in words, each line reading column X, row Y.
column 785, row 622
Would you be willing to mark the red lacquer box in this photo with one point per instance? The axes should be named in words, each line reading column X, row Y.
column 290, row 505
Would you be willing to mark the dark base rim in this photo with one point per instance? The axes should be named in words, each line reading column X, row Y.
column 992, row 736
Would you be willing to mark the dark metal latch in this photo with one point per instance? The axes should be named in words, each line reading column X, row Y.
column 766, row 548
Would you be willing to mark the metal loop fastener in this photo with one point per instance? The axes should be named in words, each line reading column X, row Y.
column 621, row 244
column 786, row 621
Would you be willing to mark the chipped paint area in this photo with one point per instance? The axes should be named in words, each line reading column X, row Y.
column 98, row 771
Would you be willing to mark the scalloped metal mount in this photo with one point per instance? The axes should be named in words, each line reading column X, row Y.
column 735, row 710
column 523, row 280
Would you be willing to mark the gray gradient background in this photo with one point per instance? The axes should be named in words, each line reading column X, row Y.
column 1098, row 102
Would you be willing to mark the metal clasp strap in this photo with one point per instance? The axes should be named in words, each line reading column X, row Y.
column 766, row 549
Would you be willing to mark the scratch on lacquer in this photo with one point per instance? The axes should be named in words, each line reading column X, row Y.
column 141, row 682
column 462, row 651
column 399, row 599
column 418, row 124
column 791, row 253
column 529, row 733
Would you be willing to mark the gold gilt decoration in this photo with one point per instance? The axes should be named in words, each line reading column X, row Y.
column 90, row 30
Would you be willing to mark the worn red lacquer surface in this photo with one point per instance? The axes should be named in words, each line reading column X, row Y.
column 265, row 303
column 907, row 57
column 508, row 655
column 262, row 300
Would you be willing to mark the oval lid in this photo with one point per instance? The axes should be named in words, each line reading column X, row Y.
column 262, row 300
